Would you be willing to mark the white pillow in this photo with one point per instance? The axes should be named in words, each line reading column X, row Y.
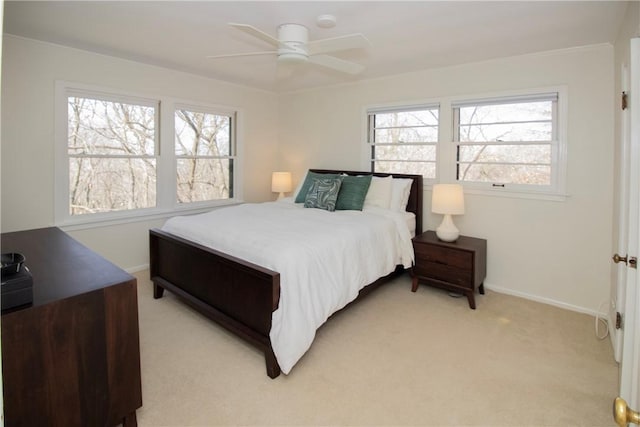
column 379, row 193
column 400, row 191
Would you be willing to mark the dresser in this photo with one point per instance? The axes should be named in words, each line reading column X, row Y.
column 459, row 266
column 72, row 358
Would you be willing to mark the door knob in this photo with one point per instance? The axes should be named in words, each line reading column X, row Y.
column 617, row 258
column 622, row 414
column 632, row 261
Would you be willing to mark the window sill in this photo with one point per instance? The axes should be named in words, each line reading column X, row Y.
column 554, row 197
column 79, row 223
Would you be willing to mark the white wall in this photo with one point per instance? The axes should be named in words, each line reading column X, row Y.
column 552, row 251
column 557, row 252
column 29, row 72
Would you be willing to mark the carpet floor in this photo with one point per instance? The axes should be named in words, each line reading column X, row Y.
column 394, row 358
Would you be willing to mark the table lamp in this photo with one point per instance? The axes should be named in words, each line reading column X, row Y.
column 447, row 199
column 281, row 183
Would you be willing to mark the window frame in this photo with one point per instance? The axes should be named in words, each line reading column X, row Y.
column 557, row 143
column 446, row 152
column 233, row 146
column 372, row 111
column 142, row 102
column 166, row 164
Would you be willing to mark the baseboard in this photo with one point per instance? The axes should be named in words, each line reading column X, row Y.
column 543, row 300
column 137, row 268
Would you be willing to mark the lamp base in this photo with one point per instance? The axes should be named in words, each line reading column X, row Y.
column 447, row 231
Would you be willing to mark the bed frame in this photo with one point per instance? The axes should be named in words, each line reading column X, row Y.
column 237, row 294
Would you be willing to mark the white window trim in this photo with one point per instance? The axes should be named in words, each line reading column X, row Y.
column 446, row 153
column 556, row 190
column 166, row 200
column 400, row 106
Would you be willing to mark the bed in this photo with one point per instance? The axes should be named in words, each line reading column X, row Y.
column 236, row 290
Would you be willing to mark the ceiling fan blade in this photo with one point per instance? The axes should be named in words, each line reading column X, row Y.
column 253, row 31
column 232, row 55
column 335, row 44
column 337, row 64
column 284, row 70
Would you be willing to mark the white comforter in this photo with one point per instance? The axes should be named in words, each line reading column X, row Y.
column 324, row 258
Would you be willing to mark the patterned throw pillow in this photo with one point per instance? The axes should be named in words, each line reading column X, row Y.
column 308, row 180
column 323, row 194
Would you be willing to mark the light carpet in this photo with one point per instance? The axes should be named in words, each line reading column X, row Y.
column 393, row 358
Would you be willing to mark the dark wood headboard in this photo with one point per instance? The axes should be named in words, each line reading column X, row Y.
column 415, row 197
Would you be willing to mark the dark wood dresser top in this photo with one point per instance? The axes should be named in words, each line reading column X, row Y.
column 60, row 266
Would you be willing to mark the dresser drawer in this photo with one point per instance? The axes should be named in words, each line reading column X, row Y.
column 446, row 273
column 441, row 255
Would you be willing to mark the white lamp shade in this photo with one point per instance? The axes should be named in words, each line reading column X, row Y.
column 281, row 182
column 447, row 199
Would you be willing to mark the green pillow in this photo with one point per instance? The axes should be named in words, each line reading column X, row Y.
column 302, row 194
column 323, row 194
column 352, row 193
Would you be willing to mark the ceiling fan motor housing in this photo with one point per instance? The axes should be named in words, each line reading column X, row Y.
column 293, row 40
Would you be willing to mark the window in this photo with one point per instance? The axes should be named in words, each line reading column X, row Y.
column 204, row 153
column 511, row 144
column 508, row 142
column 111, row 147
column 121, row 156
column 404, row 140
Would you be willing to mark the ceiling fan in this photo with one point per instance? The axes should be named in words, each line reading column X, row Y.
column 293, row 46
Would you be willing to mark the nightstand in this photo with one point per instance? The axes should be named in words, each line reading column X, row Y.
column 459, row 266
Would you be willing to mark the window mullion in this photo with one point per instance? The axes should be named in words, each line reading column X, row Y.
column 166, row 185
column 503, row 163
column 503, row 143
column 446, row 155
column 111, row 156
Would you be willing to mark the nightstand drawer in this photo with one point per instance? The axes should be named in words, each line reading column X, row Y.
column 459, row 266
column 446, row 273
column 446, row 256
